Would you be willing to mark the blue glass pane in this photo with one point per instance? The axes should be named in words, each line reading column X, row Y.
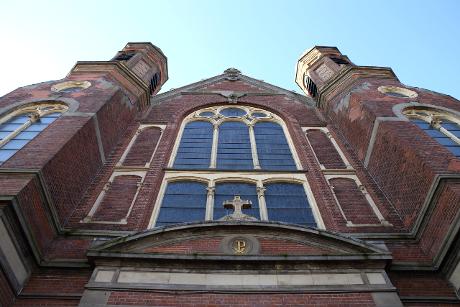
column 234, row 148
column 8, row 127
column 207, row 114
column 455, row 132
column 26, row 135
column 450, row 126
column 233, row 112
column 446, row 141
column 46, row 120
column 455, row 150
column 183, row 202
column 4, row 134
column 56, row 114
column 227, row 191
column 287, row 202
column 20, row 119
column 272, row 148
column 435, row 133
column 259, row 115
column 423, row 125
column 5, row 154
column 15, row 144
column 195, row 146
column 36, row 127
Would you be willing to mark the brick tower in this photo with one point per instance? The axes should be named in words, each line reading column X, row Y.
column 228, row 191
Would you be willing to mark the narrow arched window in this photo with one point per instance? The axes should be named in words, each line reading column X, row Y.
column 21, row 126
column 441, row 126
column 234, row 149
column 195, row 146
column 272, row 147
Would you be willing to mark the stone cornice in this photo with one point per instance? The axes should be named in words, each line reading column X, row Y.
column 138, row 87
column 343, row 81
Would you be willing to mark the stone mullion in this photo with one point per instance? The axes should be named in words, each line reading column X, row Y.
column 210, row 201
column 215, row 141
column 252, row 138
column 262, row 204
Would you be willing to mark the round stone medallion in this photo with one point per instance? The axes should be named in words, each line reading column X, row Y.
column 396, row 91
column 70, row 86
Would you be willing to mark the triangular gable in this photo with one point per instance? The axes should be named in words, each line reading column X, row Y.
column 263, row 239
column 231, row 82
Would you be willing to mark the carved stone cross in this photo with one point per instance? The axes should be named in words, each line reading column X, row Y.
column 237, row 204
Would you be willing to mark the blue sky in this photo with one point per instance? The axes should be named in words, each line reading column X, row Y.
column 420, row 40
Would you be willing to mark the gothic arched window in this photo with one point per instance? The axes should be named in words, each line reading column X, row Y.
column 234, row 138
column 234, row 162
column 19, row 127
column 441, row 126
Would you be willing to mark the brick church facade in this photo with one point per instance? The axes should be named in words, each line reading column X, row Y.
column 229, row 191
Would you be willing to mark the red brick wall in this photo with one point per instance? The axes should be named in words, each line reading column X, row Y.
column 118, row 198
column 42, row 302
column 58, row 287
column 324, row 150
column 282, row 247
column 113, row 119
column 446, row 207
column 33, row 208
column 233, row 299
column 238, row 85
column 205, row 245
column 404, row 166
column 422, row 284
column 352, row 201
column 142, row 149
column 70, row 171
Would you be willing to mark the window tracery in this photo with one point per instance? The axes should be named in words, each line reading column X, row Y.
column 20, row 126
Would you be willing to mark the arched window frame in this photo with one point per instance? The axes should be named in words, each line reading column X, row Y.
column 217, row 119
column 35, row 111
column 434, row 117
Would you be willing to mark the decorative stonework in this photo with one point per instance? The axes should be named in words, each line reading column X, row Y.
column 324, row 72
column 240, row 245
column 232, row 74
column 237, row 204
column 140, row 69
column 396, row 91
column 70, row 86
